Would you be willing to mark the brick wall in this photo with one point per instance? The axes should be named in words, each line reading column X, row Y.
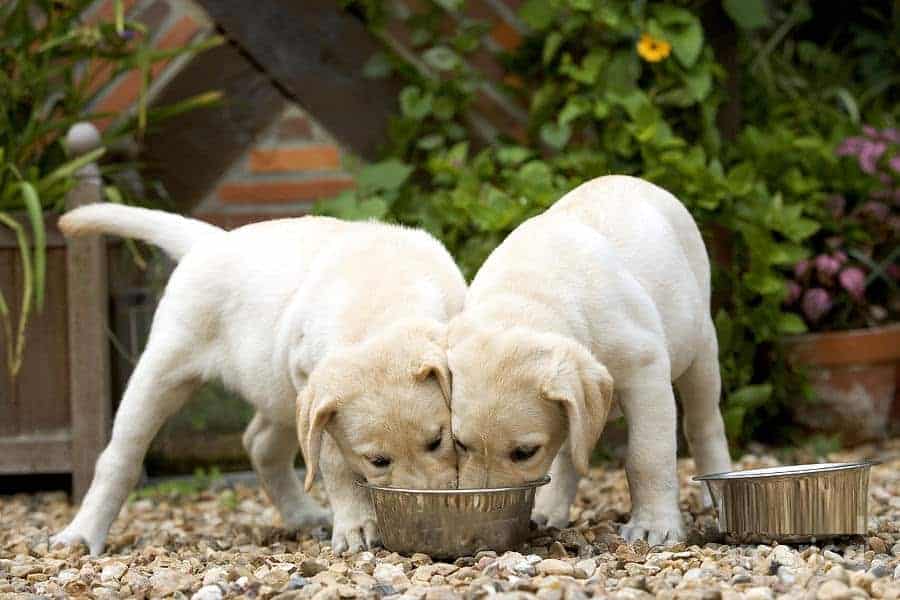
column 291, row 165
column 294, row 161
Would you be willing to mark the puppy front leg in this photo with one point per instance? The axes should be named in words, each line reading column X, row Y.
column 649, row 406
column 552, row 502
column 355, row 526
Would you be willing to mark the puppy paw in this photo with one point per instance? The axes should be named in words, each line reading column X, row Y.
column 72, row 536
column 308, row 516
column 354, row 535
column 555, row 517
column 657, row 531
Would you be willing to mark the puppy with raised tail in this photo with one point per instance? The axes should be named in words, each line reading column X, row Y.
column 324, row 326
column 604, row 297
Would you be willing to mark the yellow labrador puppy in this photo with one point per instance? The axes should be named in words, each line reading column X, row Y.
column 604, row 296
column 322, row 325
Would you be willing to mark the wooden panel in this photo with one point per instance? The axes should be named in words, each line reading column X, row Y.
column 42, row 388
column 54, row 237
column 89, row 358
column 191, row 152
column 9, row 416
column 46, row 453
column 316, row 52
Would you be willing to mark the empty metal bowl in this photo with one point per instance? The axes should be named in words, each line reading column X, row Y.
column 798, row 503
column 451, row 523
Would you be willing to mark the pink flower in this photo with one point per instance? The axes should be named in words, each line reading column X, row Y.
column 854, row 281
column 851, row 146
column 792, row 292
column 894, row 271
column 869, row 155
column 891, row 134
column 827, row 267
column 871, row 132
column 840, row 256
column 801, row 269
column 816, row 304
column 836, row 204
column 877, row 211
column 895, row 163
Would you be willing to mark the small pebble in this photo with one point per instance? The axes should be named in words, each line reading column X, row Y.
column 208, row 592
column 833, row 589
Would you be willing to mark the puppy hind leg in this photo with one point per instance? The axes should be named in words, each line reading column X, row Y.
column 272, row 449
column 553, row 501
column 700, row 387
column 650, row 463
column 157, row 389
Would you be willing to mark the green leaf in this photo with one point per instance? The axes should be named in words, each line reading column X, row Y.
column 622, row 73
column 538, row 14
column 377, row 67
column 555, row 135
column 388, row 175
column 583, row 5
column 39, row 238
column 450, row 5
column 512, row 155
column 749, row 397
column 681, row 29
column 430, row 142
column 790, row 323
column 574, row 108
column 551, row 46
column 414, row 103
column 441, row 58
column 699, row 81
column 748, row 14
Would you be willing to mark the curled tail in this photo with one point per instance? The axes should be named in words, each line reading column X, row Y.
column 173, row 233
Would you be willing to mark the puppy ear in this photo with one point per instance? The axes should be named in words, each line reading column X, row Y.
column 585, row 388
column 315, row 408
column 434, row 362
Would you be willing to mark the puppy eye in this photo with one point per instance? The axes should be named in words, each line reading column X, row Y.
column 434, row 445
column 460, row 446
column 523, row 453
column 379, row 461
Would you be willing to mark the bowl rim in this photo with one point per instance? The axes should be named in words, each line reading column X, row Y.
column 460, row 492
column 787, row 470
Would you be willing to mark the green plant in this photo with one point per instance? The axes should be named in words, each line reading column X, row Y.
column 47, row 58
column 634, row 88
column 200, row 481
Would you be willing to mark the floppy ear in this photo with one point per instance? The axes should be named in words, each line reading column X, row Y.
column 585, row 388
column 434, row 362
column 315, row 408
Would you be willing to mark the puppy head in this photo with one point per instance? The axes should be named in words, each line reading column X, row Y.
column 385, row 402
column 516, row 395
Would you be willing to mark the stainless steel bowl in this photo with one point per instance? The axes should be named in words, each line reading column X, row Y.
column 796, row 503
column 451, row 523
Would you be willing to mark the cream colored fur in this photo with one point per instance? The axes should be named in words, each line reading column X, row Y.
column 323, row 326
column 604, row 297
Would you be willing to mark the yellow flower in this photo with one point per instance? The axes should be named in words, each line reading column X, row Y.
column 653, row 50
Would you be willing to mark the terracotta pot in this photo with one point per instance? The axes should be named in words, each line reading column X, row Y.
column 853, row 375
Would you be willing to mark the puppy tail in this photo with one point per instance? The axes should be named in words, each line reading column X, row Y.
column 173, row 233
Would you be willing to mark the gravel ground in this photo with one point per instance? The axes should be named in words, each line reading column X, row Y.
column 222, row 543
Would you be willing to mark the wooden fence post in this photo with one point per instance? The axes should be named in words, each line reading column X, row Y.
column 89, row 376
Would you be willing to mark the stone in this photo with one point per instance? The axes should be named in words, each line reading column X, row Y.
column 165, row 582
column 833, row 589
column 311, row 568
column 759, row 593
column 552, row 566
column 208, row 592
column 215, row 575
column 112, row 571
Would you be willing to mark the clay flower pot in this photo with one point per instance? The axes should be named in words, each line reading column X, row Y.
column 853, row 377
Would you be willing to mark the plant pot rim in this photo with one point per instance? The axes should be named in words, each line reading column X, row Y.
column 871, row 345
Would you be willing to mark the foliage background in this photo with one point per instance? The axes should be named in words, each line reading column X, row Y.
column 754, row 167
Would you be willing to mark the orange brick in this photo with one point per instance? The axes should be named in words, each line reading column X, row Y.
column 178, row 35
column 106, row 12
column 281, row 192
column 506, row 36
column 310, row 158
column 119, row 98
